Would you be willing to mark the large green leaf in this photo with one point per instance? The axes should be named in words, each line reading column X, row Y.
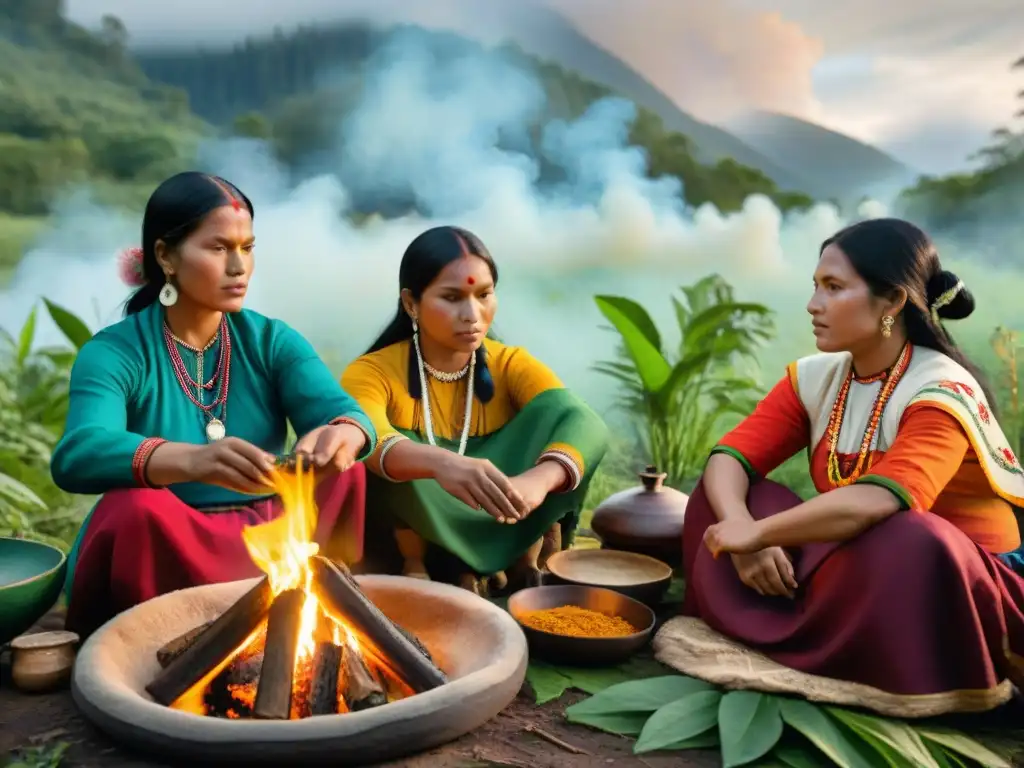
column 640, row 337
column 19, row 494
column 800, row 756
column 622, row 723
column 893, row 735
column 820, row 730
column 647, row 696
column 749, row 725
column 550, row 682
column 678, row 725
column 72, row 326
column 25, row 338
column 954, row 741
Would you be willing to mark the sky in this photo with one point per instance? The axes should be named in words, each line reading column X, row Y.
column 926, row 80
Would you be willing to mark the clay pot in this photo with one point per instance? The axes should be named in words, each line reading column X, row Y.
column 647, row 520
column 42, row 662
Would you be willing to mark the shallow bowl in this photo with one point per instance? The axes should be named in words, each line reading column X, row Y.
column 583, row 651
column 638, row 576
column 479, row 646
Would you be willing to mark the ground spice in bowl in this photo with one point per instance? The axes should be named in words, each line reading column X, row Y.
column 573, row 621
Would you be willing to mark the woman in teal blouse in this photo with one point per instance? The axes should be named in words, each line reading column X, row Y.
column 178, row 411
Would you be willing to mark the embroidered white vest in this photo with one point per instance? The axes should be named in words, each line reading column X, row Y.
column 931, row 378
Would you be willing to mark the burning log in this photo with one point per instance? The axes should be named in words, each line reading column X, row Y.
column 274, row 695
column 180, row 644
column 323, row 692
column 212, row 646
column 362, row 690
column 340, row 594
column 232, row 692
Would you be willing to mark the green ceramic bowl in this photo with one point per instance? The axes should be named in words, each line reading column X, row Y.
column 31, row 578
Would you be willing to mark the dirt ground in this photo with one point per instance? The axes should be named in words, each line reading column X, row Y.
column 520, row 737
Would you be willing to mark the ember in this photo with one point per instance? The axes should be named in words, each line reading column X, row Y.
column 305, row 641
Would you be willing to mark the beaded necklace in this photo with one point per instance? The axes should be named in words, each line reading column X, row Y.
column 215, row 429
column 835, row 422
column 428, row 421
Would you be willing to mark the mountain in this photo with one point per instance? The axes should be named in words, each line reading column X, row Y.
column 830, row 164
column 547, row 34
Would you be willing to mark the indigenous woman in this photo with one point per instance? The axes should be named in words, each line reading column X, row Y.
column 177, row 413
column 889, row 578
column 481, row 449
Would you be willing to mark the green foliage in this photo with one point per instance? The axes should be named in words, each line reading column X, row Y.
column 680, row 396
column 74, row 107
column 991, row 192
column 677, row 712
column 550, row 682
column 33, row 407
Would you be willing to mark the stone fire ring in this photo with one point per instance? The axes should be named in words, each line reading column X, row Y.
column 478, row 645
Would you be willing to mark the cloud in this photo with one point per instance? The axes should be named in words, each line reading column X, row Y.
column 713, row 58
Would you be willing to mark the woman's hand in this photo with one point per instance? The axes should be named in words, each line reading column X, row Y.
column 768, row 572
column 332, row 447
column 537, row 482
column 481, row 485
column 736, row 535
column 231, row 463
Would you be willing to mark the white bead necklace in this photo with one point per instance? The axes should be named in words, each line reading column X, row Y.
column 428, row 422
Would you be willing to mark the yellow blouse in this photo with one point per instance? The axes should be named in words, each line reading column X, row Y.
column 379, row 383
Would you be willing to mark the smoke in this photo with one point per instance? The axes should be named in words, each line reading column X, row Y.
column 438, row 128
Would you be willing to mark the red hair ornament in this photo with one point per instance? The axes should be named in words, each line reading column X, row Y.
column 130, row 267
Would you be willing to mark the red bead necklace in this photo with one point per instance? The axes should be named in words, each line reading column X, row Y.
column 835, row 421
column 215, row 429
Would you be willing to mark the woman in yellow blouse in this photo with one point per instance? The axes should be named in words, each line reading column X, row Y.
column 481, row 449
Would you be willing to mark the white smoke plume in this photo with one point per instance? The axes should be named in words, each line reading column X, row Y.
column 433, row 127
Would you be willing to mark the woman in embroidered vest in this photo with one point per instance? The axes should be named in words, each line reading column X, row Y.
column 889, row 578
column 481, row 449
column 178, row 410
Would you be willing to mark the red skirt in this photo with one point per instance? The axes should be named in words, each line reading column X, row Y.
column 912, row 606
column 140, row 543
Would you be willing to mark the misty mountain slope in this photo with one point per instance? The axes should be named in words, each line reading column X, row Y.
column 537, row 31
column 826, row 159
column 548, row 35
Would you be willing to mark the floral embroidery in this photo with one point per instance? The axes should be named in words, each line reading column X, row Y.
column 984, row 413
column 979, row 413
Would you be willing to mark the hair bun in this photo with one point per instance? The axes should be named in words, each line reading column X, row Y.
column 962, row 304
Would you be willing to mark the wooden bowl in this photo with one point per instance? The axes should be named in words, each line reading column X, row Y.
column 582, row 651
column 638, row 576
column 31, row 578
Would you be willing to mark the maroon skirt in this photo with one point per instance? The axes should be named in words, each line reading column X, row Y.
column 912, row 606
column 140, row 543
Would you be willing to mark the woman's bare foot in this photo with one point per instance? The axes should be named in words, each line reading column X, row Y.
column 415, row 569
column 473, row 583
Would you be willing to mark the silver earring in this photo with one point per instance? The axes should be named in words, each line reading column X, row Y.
column 415, row 326
column 168, row 295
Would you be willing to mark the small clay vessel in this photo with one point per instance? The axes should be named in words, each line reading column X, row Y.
column 647, row 519
column 42, row 662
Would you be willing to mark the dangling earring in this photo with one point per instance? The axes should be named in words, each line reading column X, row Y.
column 887, row 323
column 168, row 294
column 415, row 326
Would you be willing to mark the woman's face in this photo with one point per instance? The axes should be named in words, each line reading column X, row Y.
column 213, row 265
column 457, row 309
column 845, row 314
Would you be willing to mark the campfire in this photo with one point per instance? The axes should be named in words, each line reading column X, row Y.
column 305, row 641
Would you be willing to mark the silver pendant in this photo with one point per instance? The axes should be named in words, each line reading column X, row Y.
column 215, row 430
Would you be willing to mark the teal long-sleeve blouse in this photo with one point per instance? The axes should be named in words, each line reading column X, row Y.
column 124, row 389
